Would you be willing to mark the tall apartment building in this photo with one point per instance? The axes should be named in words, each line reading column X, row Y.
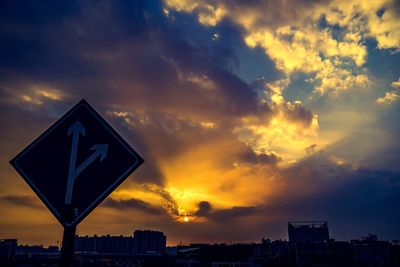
column 146, row 241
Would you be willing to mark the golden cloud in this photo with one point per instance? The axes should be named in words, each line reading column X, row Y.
column 388, row 98
column 363, row 18
column 395, row 84
column 293, row 38
column 37, row 95
column 391, row 96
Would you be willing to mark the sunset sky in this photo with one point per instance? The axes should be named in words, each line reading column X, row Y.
column 248, row 114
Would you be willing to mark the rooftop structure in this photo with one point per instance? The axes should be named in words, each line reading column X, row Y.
column 308, row 231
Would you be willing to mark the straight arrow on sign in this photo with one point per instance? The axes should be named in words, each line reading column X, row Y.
column 76, row 129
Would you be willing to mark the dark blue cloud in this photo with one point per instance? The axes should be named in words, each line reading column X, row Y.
column 89, row 48
column 355, row 201
column 125, row 53
column 30, row 32
column 367, row 201
column 390, row 69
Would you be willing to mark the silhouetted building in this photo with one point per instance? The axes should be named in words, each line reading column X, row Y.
column 371, row 252
column 36, row 250
column 273, row 253
column 30, row 250
column 8, row 248
column 53, row 249
column 395, row 253
column 149, row 242
column 143, row 242
column 218, row 255
column 328, row 254
column 104, row 244
column 308, row 231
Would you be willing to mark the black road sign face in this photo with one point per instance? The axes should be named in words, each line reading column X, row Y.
column 76, row 163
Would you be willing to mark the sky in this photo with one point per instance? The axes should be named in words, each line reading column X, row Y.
column 249, row 114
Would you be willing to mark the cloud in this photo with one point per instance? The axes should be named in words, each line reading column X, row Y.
column 311, row 149
column 298, row 113
column 123, row 204
column 391, row 96
column 286, row 133
column 223, row 215
column 170, row 205
column 288, row 122
column 164, row 91
column 227, row 215
column 366, row 198
column 21, row 200
column 292, row 111
column 204, row 208
column 378, row 20
column 303, row 36
column 395, row 84
column 262, row 158
column 38, row 95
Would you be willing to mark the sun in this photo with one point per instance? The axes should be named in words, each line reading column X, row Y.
column 186, row 219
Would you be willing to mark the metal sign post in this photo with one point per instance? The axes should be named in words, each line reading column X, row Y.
column 74, row 165
column 67, row 249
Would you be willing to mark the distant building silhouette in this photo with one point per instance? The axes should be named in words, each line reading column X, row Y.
column 8, row 247
column 215, row 255
column 369, row 251
column 308, row 231
column 149, row 242
column 104, row 244
column 142, row 242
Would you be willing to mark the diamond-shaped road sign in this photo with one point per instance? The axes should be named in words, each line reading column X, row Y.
column 76, row 163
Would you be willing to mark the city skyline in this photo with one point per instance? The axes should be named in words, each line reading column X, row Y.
column 249, row 114
column 309, row 244
column 297, row 232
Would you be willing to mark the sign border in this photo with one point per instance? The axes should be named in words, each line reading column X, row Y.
column 96, row 202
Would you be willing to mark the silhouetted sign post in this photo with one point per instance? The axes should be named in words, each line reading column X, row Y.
column 74, row 165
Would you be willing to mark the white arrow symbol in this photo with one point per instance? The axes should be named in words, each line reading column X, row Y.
column 76, row 129
column 100, row 150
